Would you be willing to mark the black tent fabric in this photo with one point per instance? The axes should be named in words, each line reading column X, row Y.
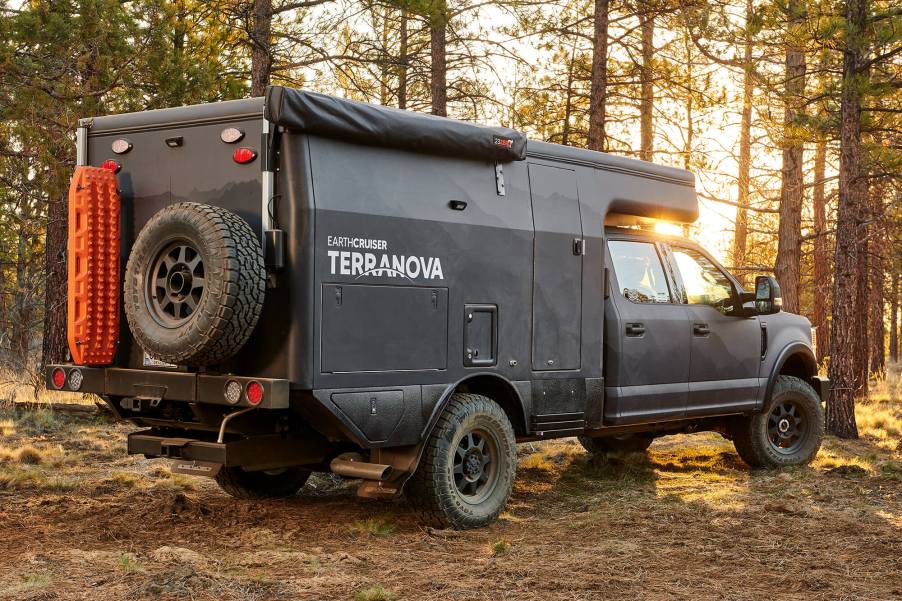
column 370, row 124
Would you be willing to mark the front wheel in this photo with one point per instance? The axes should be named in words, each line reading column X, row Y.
column 788, row 433
column 268, row 484
column 468, row 466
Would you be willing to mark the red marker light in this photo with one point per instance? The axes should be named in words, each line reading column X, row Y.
column 254, row 393
column 58, row 377
column 244, row 155
column 111, row 165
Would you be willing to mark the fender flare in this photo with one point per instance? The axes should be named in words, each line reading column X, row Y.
column 792, row 349
column 446, row 397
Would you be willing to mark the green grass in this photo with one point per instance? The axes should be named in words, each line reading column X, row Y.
column 375, row 593
column 374, row 526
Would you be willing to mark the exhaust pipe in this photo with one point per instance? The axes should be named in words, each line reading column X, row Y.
column 351, row 465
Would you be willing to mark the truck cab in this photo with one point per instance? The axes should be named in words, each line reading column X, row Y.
column 274, row 286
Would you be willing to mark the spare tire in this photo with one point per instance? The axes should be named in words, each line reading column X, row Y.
column 194, row 284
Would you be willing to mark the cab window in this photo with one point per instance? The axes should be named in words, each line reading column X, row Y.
column 703, row 282
column 640, row 275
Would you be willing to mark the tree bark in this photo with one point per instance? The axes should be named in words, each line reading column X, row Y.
column 789, row 242
column 877, row 329
column 862, row 289
column 740, row 237
column 821, row 283
column 261, row 47
column 894, row 316
column 54, row 345
column 647, row 91
column 438, row 22
column 841, row 409
column 599, row 86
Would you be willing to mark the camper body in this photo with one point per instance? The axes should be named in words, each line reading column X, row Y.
column 415, row 291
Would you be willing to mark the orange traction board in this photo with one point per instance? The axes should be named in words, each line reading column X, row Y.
column 93, row 256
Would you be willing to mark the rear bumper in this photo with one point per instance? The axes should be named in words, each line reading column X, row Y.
column 821, row 386
column 161, row 384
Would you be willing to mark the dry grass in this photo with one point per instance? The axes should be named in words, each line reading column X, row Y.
column 686, row 521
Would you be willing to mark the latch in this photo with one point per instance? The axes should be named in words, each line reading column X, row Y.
column 579, row 246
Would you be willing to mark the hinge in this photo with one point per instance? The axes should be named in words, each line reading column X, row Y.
column 499, row 179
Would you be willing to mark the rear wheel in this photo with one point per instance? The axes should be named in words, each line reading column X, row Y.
column 631, row 443
column 789, row 432
column 269, row 484
column 468, row 466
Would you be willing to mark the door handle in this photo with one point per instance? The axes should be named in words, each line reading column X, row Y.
column 635, row 329
column 700, row 329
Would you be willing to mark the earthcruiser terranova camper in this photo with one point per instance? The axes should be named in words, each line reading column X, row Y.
column 297, row 283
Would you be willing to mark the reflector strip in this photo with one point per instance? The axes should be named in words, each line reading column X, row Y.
column 93, row 319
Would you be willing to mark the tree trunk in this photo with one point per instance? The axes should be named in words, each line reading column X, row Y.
column 647, row 101
column 568, row 101
column 403, row 59
column 877, row 330
column 261, row 47
column 821, row 281
column 54, row 345
column 894, row 316
column 599, row 86
column 841, row 409
column 740, row 237
column 862, row 286
column 789, row 242
column 438, row 22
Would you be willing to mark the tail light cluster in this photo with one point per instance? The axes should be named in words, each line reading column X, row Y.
column 73, row 381
column 252, row 392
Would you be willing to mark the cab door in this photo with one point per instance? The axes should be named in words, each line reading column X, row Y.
column 646, row 339
column 725, row 349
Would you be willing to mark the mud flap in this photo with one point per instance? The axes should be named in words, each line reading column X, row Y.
column 403, row 461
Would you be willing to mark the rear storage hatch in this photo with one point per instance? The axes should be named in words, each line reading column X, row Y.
column 209, row 154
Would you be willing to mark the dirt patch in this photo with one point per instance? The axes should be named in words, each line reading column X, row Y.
column 686, row 521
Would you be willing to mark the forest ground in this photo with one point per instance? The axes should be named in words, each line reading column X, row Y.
column 80, row 519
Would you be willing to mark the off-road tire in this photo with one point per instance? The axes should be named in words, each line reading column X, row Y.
column 432, row 490
column 234, row 285
column 752, row 437
column 627, row 443
column 262, row 485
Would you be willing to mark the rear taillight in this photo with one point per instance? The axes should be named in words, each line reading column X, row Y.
column 58, row 377
column 254, row 393
column 75, row 379
column 244, row 155
column 232, row 392
column 111, row 165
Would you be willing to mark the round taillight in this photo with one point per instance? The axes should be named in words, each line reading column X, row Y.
column 244, row 155
column 111, row 165
column 75, row 379
column 230, row 135
column 254, row 393
column 58, row 377
column 232, row 392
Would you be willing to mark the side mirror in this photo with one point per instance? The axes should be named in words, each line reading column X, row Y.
column 768, row 298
